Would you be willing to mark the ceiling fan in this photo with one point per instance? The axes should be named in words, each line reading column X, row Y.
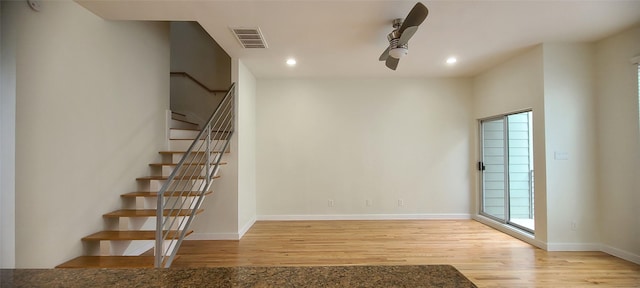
column 403, row 30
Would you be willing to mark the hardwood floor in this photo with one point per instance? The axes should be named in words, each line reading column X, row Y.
column 487, row 257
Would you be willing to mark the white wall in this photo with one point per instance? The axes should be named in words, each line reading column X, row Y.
column 353, row 140
column 219, row 221
column 91, row 101
column 570, row 128
column 7, row 139
column 619, row 147
column 231, row 211
column 513, row 86
column 246, row 133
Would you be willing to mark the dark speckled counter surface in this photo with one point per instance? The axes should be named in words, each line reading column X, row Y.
column 322, row 276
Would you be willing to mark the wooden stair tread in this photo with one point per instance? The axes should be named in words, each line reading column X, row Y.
column 155, row 194
column 194, row 129
column 129, row 235
column 182, row 152
column 191, row 138
column 174, row 164
column 181, row 114
column 109, row 262
column 186, row 129
column 194, row 177
column 147, row 213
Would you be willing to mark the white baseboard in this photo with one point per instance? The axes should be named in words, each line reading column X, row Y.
column 635, row 258
column 223, row 236
column 214, row 236
column 573, row 247
column 246, row 227
column 364, row 217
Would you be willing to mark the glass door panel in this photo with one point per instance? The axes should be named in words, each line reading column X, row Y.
column 507, row 169
column 494, row 178
column 520, row 170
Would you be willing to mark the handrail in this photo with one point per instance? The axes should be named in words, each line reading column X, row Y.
column 177, row 206
column 185, row 74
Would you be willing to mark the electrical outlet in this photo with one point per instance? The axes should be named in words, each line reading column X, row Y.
column 369, row 202
column 330, row 203
column 400, row 202
column 574, row 226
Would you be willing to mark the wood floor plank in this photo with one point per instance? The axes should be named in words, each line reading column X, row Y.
column 487, row 257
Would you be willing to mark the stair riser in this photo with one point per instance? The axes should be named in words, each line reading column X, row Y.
column 133, row 223
column 178, row 116
column 125, row 248
column 182, row 125
column 196, row 185
column 184, row 202
column 201, row 145
column 128, row 247
column 152, row 203
column 198, row 170
column 135, row 203
column 183, row 134
column 199, row 158
column 179, row 134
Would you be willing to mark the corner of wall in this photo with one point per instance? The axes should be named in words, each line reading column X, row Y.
column 244, row 228
column 618, row 150
column 7, row 137
column 246, row 134
column 626, row 255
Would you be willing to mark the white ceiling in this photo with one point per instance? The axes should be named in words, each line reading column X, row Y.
column 345, row 38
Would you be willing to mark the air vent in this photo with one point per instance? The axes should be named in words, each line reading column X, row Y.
column 250, row 37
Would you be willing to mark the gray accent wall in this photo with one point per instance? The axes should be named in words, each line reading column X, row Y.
column 195, row 52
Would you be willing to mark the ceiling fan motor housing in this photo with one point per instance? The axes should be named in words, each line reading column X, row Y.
column 395, row 50
column 398, row 51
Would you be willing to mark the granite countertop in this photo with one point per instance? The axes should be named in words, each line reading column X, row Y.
column 316, row 276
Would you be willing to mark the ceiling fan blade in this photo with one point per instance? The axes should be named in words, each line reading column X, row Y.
column 406, row 35
column 384, row 55
column 392, row 63
column 415, row 17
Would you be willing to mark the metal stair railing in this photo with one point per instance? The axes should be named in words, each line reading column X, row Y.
column 180, row 197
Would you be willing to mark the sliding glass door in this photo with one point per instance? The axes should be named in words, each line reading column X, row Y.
column 506, row 168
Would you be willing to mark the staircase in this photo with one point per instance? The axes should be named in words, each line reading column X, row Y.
column 144, row 235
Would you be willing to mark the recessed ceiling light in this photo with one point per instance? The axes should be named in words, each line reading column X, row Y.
column 291, row 62
column 452, row 60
